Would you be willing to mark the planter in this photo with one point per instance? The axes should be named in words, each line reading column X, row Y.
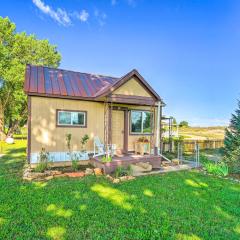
column 142, row 147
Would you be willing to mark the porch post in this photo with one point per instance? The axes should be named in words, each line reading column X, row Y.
column 158, row 129
column 125, row 144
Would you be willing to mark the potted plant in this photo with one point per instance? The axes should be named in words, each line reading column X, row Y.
column 142, row 145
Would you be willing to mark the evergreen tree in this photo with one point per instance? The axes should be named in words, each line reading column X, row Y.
column 232, row 141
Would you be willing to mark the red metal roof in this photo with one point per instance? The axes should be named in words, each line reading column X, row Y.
column 63, row 83
column 52, row 81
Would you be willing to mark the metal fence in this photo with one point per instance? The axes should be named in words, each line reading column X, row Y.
column 190, row 145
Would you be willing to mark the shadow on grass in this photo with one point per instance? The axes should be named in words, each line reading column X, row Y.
column 183, row 205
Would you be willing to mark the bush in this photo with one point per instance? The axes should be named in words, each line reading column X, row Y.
column 204, row 159
column 43, row 161
column 106, row 159
column 219, row 169
column 183, row 124
column 41, row 167
column 123, row 171
column 75, row 160
column 233, row 161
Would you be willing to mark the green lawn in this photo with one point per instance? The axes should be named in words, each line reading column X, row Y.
column 184, row 205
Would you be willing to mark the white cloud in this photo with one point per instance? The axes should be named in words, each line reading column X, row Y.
column 59, row 15
column 82, row 16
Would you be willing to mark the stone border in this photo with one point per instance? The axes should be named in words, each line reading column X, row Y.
column 120, row 179
column 30, row 175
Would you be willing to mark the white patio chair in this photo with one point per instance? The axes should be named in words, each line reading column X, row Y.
column 100, row 149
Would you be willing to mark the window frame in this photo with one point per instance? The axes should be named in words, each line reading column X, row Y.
column 71, row 125
column 130, row 122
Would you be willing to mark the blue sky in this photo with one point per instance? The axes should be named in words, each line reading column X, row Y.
column 188, row 50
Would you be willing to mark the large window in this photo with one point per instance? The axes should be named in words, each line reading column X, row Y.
column 141, row 122
column 71, row 118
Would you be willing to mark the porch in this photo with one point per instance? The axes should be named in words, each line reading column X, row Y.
column 124, row 161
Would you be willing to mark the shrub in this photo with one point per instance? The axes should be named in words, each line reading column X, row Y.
column 74, row 160
column 68, row 141
column 233, row 160
column 204, row 159
column 219, row 169
column 106, row 159
column 183, row 124
column 84, row 141
column 43, row 161
column 123, row 171
column 41, row 167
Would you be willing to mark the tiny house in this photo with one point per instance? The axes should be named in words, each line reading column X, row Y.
column 118, row 111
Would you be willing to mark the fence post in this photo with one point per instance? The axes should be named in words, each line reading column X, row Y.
column 197, row 154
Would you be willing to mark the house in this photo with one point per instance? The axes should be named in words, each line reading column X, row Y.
column 118, row 111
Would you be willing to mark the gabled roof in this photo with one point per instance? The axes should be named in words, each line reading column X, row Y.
column 47, row 81
column 124, row 79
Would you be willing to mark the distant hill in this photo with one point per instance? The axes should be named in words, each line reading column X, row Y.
column 202, row 133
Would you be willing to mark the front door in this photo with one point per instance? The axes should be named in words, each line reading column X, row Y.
column 118, row 130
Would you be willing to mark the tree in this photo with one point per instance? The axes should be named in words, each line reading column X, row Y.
column 183, row 124
column 17, row 50
column 232, row 141
column 174, row 121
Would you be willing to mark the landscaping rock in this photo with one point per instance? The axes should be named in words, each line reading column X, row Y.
column 123, row 178
column 88, row 171
column 48, row 178
column 126, row 178
column 60, row 175
column 98, row 171
column 109, row 177
column 140, row 167
column 175, row 161
column 35, row 175
column 130, row 177
column 53, row 172
column 28, row 179
column 166, row 164
column 116, row 180
column 75, row 174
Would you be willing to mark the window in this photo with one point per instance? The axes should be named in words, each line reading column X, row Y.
column 71, row 118
column 141, row 122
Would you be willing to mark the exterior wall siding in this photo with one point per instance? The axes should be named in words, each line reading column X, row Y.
column 45, row 133
column 132, row 88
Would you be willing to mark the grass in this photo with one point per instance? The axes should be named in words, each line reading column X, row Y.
column 202, row 133
column 183, row 205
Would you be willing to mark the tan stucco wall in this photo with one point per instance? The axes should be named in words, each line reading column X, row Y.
column 132, row 87
column 45, row 133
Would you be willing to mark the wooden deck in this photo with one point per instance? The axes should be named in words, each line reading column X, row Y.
column 125, row 161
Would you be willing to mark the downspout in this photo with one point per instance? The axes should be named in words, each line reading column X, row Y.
column 158, row 129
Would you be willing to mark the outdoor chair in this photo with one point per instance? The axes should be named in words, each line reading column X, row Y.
column 100, row 149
